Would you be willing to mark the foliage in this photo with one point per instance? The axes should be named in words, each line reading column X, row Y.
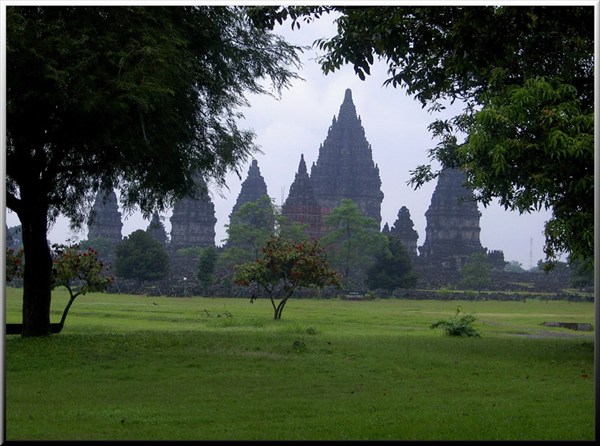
column 526, row 77
column 290, row 230
column 517, row 128
column 80, row 272
column 249, row 228
column 251, row 225
column 581, row 274
column 476, row 274
column 205, row 266
column 285, row 266
column 392, row 268
column 14, row 264
column 140, row 256
column 514, row 266
column 104, row 247
column 190, row 251
column 352, row 241
column 458, row 326
column 139, row 98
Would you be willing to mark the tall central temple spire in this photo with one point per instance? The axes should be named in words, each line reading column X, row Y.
column 345, row 167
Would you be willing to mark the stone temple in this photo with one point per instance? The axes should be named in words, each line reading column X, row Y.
column 452, row 232
column 253, row 187
column 344, row 169
column 404, row 231
column 301, row 204
column 104, row 221
column 193, row 220
column 157, row 230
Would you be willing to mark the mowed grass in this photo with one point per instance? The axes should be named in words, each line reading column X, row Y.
column 157, row 368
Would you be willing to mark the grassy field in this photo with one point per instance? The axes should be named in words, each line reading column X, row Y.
column 157, row 368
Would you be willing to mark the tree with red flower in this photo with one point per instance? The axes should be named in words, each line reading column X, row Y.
column 284, row 266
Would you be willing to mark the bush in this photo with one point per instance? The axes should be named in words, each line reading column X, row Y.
column 456, row 326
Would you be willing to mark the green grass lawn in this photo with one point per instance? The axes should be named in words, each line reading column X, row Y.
column 157, row 368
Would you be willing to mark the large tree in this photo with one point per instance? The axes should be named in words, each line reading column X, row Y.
column 526, row 77
column 135, row 98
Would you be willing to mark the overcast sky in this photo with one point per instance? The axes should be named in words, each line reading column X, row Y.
column 395, row 126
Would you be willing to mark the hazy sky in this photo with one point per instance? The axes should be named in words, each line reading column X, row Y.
column 395, row 126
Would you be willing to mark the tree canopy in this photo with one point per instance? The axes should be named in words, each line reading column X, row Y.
column 80, row 271
column 476, row 274
column 352, row 241
column 392, row 268
column 140, row 256
column 526, row 77
column 139, row 98
column 284, row 266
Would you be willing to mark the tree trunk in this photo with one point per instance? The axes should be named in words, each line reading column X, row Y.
column 37, row 271
column 279, row 308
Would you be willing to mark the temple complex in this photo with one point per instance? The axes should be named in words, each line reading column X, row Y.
column 345, row 168
column 193, row 220
column 403, row 230
column 452, row 231
column 104, row 221
column 301, row 205
column 253, row 187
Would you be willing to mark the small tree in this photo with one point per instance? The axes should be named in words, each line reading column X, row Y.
column 251, row 225
column 80, row 272
column 205, row 267
column 476, row 274
column 285, row 266
column 352, row 241
column 392, row 268
column 140, row 256
column 514, row 266
column 249, row 228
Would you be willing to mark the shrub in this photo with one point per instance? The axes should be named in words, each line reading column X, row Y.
column 458, row 326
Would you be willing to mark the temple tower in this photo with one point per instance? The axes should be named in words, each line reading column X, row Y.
column 404, row 231
column 104, row 221
column 193, row 220
column 345, row 168
column 301, row 205
column 253, row 187
column 156, row 229
column 452, row 232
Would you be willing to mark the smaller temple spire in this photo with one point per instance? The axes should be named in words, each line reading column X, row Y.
column 156, row 229
column 403, row 230
column 302, row 166
column 301, row 205
column 348, row 95
column 253, row 187
column 104, row 221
